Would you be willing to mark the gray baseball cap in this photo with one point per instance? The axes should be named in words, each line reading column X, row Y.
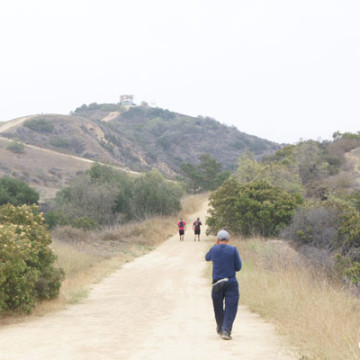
column 223, row 235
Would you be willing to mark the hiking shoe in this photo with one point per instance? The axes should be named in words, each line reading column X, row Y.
column 226, row 335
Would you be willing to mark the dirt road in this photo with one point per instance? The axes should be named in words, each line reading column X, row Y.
column 155, row 308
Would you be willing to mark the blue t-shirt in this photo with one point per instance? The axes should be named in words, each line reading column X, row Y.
column 226, row 261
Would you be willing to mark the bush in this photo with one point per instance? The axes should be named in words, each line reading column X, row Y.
column 104, row 196
column 314, row 224
column 27, row 271
column 16, row 147
column 16, row 192
column 153, row 195
column 333, row 225
column 205, row 176
column 255, row 207
column 39, row 125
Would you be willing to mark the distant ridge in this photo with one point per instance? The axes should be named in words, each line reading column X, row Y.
column 138, row 138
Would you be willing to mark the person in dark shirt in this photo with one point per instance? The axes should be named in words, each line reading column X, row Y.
column 196, row 227
column 225, row 291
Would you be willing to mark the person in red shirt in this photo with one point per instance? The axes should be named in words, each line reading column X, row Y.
column 196, row 227
column 182, row 227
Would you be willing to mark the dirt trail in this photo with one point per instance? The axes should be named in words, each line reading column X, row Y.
column 156, row 307
column 12, row 123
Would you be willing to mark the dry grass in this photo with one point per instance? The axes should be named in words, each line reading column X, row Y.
column 321, row 319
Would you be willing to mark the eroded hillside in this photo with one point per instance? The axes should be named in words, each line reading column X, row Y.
column 140, row 138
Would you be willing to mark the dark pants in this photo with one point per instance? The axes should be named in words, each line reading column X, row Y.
column 225, row 303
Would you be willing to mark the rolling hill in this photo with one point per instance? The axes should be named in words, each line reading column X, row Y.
column 138, row 138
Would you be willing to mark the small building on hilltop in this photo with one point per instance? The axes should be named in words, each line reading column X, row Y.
column 127, row 100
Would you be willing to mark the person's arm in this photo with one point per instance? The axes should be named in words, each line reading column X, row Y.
column 208, row 256
column 238, row 262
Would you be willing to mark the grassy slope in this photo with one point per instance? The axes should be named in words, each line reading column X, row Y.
column 320, row 318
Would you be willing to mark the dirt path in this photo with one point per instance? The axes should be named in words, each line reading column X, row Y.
column 155, row 308
column 16, row 122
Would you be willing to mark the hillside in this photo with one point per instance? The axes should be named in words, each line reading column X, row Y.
column 140, row 138
column 42, row 169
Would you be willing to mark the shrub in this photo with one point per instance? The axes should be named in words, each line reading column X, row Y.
column 254, row 207
column 104, row 196
column 205, row 176
column 16, row 192
column 72, row 143
column 314, row 224
column 333, row 225
column 27, row 271
column 153, row 195
column 86, row 198
column 39, row 125
column 16, row 147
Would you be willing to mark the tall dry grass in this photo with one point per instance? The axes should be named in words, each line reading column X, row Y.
column 320, row 318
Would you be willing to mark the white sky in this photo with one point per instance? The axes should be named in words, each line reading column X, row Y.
column 283, row 70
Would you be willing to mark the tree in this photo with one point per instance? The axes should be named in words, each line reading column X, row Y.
column 16, row 192
column 208, row 175
column 154, row 195
column 103, row 196
column 84, row 198
column 255, row 207
column 277, row 172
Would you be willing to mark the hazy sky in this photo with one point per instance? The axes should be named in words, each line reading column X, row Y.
column 283, row 70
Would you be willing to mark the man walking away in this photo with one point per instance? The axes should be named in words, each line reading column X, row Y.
column 196, row 227
column 225, row 291
column 182, row 226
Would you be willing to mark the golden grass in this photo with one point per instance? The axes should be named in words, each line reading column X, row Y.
column 321, row 319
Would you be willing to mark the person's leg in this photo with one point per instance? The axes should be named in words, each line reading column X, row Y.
column 218, row 303
column 231, row 305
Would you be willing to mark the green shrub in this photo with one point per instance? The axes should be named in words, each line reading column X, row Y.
column 72, row 143
column 349, row 270
column 60, row 142
column 84, row 223
column 153, row 195
column 16, row 147
column 205, row 176
column 39, row 125
column 27, row 271
column 104, row 196
column 16, row 192
column 252, row 208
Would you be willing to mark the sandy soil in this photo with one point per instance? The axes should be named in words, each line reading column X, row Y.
column 111, row 116
column 156, row 307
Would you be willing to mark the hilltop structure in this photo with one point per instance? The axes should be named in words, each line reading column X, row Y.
column 127, row 100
